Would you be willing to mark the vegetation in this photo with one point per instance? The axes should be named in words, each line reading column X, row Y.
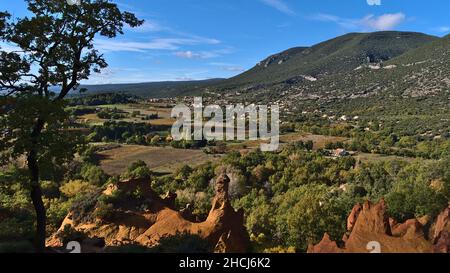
column 102, row 99
column 294, row 196
column 58, row 39
column 381, row 93
column 341, row 54
column 125, row 132
column 111, row 114
column 154, row 89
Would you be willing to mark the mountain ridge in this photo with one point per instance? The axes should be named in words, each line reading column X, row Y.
column 355, row 65
column 160, row 89
column 340, row 54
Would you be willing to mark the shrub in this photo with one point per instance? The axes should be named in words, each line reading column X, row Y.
column 94, row 174
column 76, row 187
column 87, row 153
column 137, row 170
column 83, row 206
column 19, row 226
column 114, row 199
column 50, row 189
column 304, row 214
column 16, row 247
column 280, row 249
column 155, row 140
column 410, row 200
column 69, row 234
column 183, row 243
column 57, row 210
column 104, row 211
column 135, row 114
column 183, row 172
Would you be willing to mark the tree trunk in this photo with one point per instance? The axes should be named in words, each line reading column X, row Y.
column 36, row 196
column 36, row 192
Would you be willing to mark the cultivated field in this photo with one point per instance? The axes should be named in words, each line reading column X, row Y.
column 373, row 158
column 318, row 140
column 159, row 159
column 144, row 109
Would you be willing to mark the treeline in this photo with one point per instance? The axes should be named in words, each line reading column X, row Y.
column 112, row 113
column 102, row 99
column 392, row 145
column 128, row 132
column 381, row 138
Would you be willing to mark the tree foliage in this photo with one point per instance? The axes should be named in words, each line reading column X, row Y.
column 55, row 48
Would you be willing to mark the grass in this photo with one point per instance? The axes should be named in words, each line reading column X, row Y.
column 371, row 158
column 144, row 109
column 159, row 159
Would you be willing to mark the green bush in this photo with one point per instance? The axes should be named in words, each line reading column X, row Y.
column 183, row 243
column 57, row 210
column 73, row 188
column 411, row 199
column 18, row 227
column 94, row 174
column 16, row 247
column 50, row 189
column 83, row 206
column 137, row 170
column 104, row 211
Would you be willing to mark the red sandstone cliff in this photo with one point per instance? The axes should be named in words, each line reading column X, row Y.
column 370, row 230
column 223, row 228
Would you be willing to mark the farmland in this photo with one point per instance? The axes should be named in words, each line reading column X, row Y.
column 158, row 159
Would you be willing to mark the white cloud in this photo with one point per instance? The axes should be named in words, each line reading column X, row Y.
column 233, row 68
column 279, row 5
column 188, row 54
column 147, row 26
column 184, row 79
column 386, row 21
column 443, row 29
column 383, row 22
column 229, row 67
column 154, row 26
column 374, row 2
column 106, row 45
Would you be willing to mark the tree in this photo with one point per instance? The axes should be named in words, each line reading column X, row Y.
column 56, row 48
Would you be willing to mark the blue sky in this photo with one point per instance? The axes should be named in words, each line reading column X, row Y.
column 201, row 39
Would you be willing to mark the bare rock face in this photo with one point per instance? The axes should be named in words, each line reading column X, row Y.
column 370, row 230
column 223, row 228
column 441, row 235
column 351, row 220
column 325, row 246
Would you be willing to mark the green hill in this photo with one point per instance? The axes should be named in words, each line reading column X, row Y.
column 383, row 73
column 357, row 73
column 341, row 54
column 154, row 89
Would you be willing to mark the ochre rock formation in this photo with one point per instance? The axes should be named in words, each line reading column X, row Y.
column 441, row 234
column 369, row 225
column 325, row 246
column 223, row 228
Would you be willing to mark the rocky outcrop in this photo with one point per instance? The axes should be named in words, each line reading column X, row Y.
column 370, row 230
column 441, row 234
column 325, row 246
column 223, row 228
